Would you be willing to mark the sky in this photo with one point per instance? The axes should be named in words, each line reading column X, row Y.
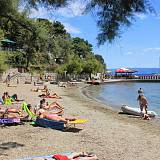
column 138, row 46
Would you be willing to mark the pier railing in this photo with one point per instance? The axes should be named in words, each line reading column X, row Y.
column 154, row 77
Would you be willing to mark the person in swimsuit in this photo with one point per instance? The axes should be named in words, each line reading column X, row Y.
column 53, row 105
column 72, row 156
column 48, row 95
column 143, row 103
column 42, row 113
column 13, row 98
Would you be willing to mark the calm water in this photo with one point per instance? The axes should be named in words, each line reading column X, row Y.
column 118, row 94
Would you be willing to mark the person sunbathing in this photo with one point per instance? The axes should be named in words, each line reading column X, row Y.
column 48, row 95
column 76, row 156
column 40, row 89
column 53, row 105
column 12, row 99
column 42, row 113
column 73, row 156
column 11, row 112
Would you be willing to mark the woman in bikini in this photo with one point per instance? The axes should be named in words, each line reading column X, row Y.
column 53, row 105
column 42, row 113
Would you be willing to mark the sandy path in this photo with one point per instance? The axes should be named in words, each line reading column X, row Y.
column 110, row 135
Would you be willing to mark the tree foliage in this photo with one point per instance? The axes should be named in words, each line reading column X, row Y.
column 44, row 45
column 3, row 64
column 112, row 15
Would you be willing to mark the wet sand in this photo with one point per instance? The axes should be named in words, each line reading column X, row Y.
column 111, row 136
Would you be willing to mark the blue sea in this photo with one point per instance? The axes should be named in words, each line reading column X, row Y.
column 125, row 93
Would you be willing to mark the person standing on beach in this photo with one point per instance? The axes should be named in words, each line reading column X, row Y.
column 8, row 79
column 143, row 104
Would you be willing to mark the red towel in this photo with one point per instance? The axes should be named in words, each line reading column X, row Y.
column 60, row 157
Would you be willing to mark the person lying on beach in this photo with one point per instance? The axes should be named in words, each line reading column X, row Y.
column 76, row 156
column 13, row 99
column 73, row 156
column 42, row 113
column 40, row 89
column 48, row 95
column 53, row 105
column 11, row 112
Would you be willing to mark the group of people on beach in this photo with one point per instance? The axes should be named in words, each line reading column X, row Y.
column 42, row 110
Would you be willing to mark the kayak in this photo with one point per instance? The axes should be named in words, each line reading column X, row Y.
column 136, row 111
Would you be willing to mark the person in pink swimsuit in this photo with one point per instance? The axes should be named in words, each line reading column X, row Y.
column 42, row 113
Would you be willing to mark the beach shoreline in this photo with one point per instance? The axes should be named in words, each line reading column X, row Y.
column 109, row 135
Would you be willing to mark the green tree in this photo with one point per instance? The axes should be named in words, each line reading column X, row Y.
column 3, row 65
column 81, row 47
column 91, row 65
column 1, row 34
column 74, row 66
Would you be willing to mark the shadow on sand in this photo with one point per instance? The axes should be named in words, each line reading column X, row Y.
column 9, row 145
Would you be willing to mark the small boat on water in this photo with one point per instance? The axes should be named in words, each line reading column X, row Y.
column 136, row 111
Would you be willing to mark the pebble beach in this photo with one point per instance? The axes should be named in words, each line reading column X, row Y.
column 111, row 136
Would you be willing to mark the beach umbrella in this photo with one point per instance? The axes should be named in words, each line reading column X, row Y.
column 125, row 70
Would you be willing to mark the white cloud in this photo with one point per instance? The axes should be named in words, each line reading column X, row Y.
column 151, row 49
column 69, row 28
column 141, row 16
column 40, row 13
column 74, row 8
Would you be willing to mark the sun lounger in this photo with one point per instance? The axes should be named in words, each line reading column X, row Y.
column 57, row 124
column 30, row 114
column 42, row 122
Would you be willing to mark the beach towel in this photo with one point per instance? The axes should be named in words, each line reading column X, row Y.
column 9, row 120
column 78, row 121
